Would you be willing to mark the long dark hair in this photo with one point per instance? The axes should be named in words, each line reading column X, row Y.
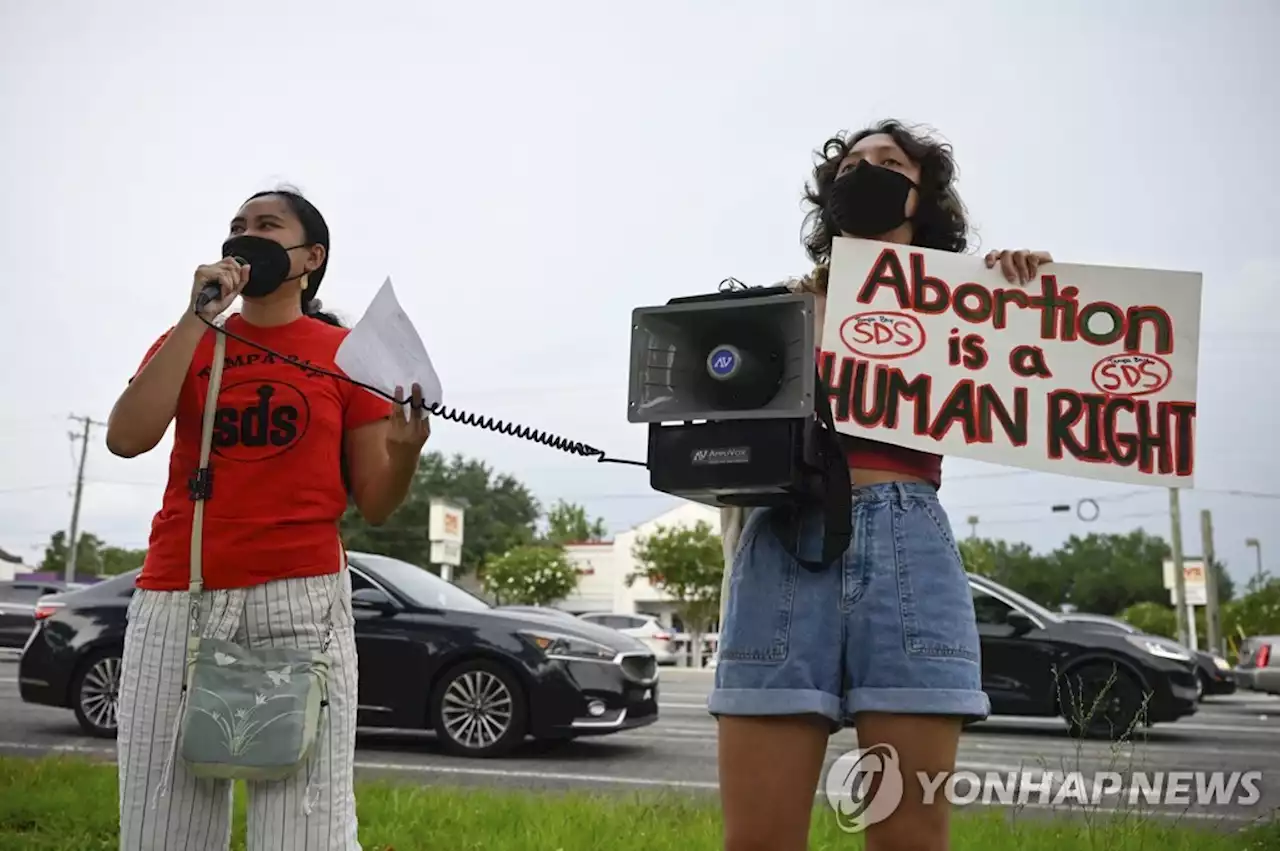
column 316, row 231
column 941, row 220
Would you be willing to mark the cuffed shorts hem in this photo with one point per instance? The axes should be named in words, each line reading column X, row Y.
column 968, row 704
column 775, row 701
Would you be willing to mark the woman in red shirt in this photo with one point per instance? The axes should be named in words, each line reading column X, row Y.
column 290, row 447
column 885, row 638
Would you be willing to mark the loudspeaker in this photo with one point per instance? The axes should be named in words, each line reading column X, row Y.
column 728, row 383
column 736, row 355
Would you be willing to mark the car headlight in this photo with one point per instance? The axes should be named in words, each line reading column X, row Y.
column 1156, row 647
column 1221, row 664
column 556, row 645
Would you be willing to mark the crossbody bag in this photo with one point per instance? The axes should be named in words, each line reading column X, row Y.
column 247, row 712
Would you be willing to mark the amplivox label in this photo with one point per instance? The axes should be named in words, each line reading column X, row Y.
column 730, row 455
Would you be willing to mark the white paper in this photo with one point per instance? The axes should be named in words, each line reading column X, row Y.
column 384, row 350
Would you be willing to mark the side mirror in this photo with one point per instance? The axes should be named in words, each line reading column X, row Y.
column 1020, row 621
column 372, row 600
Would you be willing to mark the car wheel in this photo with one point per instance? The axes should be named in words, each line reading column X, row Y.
column 95, row 692
column 1202, row 686
column 1100, row 701
column 478, row 710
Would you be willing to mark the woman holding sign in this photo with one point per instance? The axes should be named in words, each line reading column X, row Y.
column 886, row 637
column 289, row 446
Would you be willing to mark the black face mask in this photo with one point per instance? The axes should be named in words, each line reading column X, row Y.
column 869, row 200
column 268, row 263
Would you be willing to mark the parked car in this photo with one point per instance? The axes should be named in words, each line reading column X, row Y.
column 1213, row 672
column 538, row 611
column 1036, row 662
column 18, row 600
column 432, row 657
column 646, row 628
column 1259, row 668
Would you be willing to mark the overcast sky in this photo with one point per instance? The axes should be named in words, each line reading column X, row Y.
column 527, row 173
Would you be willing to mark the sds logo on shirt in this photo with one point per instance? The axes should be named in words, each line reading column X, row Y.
column 259, row 419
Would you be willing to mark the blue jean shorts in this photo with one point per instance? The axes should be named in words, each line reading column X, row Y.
column 889, row 627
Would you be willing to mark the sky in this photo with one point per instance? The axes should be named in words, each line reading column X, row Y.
column 527, row 174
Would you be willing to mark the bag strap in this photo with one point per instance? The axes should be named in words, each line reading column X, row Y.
column 201, row 484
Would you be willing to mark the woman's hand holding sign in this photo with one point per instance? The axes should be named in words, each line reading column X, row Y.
column 1018, row 266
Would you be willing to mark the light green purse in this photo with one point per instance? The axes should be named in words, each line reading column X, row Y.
column 246, row 713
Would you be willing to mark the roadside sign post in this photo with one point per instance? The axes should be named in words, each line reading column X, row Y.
column 445, row 530
column 1194, row 593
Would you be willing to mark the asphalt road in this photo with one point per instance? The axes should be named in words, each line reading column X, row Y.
column 1238, row 733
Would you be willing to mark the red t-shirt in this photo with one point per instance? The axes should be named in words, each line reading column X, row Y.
column 275, row 460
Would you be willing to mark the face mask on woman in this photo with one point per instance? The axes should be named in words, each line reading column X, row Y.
column 268, row 263
column 869, row 200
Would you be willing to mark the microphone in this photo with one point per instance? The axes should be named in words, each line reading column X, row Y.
column 212, row 291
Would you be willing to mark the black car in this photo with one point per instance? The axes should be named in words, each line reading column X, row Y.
column 18, row 600
column 432, row 657
column 1213, row 673
column 1037, row 662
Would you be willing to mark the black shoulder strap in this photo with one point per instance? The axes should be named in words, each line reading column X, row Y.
column 837, row 501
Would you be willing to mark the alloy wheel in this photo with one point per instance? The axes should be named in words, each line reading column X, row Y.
column 477, row 709
column 100, row 691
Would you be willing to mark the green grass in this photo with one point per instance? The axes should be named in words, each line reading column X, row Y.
column 54, row 804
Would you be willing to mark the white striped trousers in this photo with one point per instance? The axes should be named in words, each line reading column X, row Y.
column 194, row 814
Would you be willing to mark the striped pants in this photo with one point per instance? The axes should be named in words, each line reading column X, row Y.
column 164, row 808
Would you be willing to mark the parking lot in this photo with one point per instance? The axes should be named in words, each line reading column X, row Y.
column 1236, row 733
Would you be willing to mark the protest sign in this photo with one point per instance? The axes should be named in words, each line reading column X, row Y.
column 1087, row 371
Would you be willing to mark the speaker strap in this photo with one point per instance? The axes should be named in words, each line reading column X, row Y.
column 837, row 494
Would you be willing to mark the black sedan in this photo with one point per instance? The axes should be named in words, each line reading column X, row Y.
column 432, row 657
column 1213, row 672
column 1037, row 662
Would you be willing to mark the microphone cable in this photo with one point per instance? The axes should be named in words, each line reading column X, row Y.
column 523, row 432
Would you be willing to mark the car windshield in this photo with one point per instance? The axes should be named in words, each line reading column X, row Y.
column 421, row 586
column 1023, row 602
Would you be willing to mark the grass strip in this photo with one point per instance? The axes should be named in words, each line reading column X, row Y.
column 57, row 803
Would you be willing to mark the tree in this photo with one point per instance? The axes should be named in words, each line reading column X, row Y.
column 1152, row 618
column 500, row 514
column 1014, row 565
column 1256, row 613
column 567, row 523
column 88, row 554
column 530, row 575
column 687, row 563
column 118, row 560
column 1105, row 574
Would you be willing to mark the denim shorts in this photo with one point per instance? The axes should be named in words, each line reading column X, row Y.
column 889, row 627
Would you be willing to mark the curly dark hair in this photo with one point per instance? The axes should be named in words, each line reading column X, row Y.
column 940, row 221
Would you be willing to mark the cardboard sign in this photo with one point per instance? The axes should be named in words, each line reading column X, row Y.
column 1088, row 371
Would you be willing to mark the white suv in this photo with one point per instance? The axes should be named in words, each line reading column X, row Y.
column 646, row 628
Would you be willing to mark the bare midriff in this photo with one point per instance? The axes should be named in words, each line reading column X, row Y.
column 872, row 462
column 861, row 476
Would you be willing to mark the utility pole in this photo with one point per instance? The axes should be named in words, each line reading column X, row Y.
column 1212, row 618
column 73, row 537
column 1179, row 579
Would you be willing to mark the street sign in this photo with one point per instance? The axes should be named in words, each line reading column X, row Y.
column 1193, row 582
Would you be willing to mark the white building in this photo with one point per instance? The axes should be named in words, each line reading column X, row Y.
column 602, row 586
column 11, row 567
